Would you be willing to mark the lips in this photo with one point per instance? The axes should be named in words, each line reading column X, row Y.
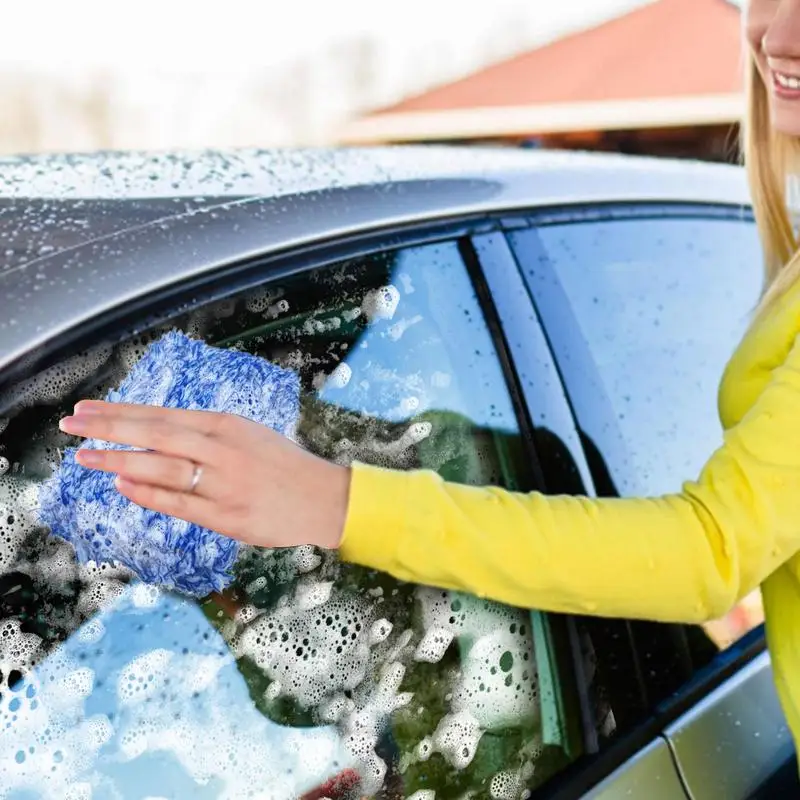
column 786, row 85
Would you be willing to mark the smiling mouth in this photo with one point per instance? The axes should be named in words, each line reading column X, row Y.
column 786, row 85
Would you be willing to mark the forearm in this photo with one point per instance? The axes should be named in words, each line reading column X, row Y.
column 652, row 559
column 685, row 557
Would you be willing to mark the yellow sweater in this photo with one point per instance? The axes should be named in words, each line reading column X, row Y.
column 686, row 557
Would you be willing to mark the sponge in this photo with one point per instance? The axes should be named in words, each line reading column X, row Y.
column 83, row 506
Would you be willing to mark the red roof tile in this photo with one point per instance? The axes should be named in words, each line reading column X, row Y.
column 669, row 48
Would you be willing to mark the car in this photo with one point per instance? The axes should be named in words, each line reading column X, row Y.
column 537, row 320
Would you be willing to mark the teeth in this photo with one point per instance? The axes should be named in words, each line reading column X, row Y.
column 787, row 81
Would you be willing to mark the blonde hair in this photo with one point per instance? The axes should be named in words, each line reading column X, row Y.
column 770, row 157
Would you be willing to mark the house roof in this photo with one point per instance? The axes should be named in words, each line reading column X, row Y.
column 673, row 59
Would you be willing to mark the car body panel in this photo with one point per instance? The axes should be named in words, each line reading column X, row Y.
column 280, row 173
column 650, row 773
column 735, row 738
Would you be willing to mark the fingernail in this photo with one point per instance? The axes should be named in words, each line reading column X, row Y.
column 72, row 425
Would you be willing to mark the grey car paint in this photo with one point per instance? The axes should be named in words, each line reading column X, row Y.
column 649, row 774
column 50, row 294
column 729, row 743
column 256, row 204
column 275, row 173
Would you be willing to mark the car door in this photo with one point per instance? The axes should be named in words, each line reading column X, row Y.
column 306, row 672
column 643, row 305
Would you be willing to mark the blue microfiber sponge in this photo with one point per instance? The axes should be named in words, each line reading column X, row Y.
column 82, row 505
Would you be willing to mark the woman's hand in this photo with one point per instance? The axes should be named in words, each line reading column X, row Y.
column 252, row 483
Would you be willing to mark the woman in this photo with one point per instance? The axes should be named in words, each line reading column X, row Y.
column 686, row 557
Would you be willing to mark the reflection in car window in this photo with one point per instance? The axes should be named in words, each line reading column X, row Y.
column 414, row 689
column 661, row 305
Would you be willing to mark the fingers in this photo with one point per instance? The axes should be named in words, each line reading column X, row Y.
column 209, row 423
column 153, row 469
column 189, row 507
column 168, row 443
column 159, row 434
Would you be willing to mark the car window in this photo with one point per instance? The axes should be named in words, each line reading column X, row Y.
column 305, row 672
column 658, row 306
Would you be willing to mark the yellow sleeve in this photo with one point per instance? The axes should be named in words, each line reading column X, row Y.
column 686, row 557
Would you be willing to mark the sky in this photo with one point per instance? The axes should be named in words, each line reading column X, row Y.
column 237, row 35
column 163, row 74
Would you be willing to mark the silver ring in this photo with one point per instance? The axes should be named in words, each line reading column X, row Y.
column 196, row 475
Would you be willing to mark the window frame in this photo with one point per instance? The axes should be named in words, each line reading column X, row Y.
column 524, row 344
column 509, row 314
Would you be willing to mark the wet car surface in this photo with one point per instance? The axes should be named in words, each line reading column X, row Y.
column 502, row 317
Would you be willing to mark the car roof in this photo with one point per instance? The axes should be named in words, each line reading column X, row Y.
column 282, row 172
column 81, row 235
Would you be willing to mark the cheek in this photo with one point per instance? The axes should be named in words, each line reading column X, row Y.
column 753, row 34
column 752, row 40
column 758, row 16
